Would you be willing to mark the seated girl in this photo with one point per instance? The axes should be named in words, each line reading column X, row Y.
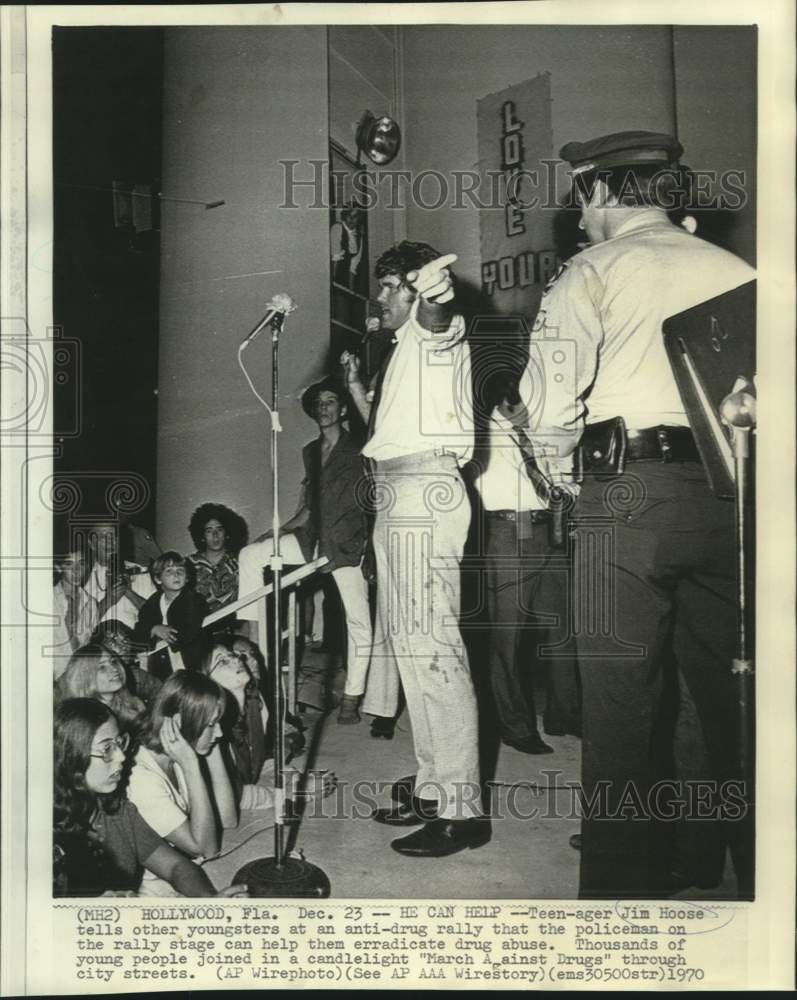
column 173, row 615
column 117, row 638
column 245, row 722
column 179, row 782
column 94, row 672
column 101, row 844
column 261, row 675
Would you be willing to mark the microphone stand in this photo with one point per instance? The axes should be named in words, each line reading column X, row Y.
column 276, row 569
column 738, row 411
column 279, row 876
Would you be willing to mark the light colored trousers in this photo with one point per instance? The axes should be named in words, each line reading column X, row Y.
column 353, row 591
column 423, row 515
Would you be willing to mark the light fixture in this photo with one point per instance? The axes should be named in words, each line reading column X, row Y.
column 378, row 138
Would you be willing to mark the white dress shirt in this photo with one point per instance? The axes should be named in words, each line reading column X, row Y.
column 504, row 484
column 425, row 403
column 124, row 610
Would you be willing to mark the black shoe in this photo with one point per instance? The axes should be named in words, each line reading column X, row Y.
column 382, row 727
column 410, row 813
column 575, row 841
column 295, row 744
column 296, row 722
column 557, row 726
column 402, row 790
column 529, row 744
column 442, row 837
column 677, row 880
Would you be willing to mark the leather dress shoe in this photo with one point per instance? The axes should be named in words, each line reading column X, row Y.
column 410, row 813
column 442, row 837
column 401, row 790
column 529, row 744
column 562, row 729
column 677, row 880
column 382, row 728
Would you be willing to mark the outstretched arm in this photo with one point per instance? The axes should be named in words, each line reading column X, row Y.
column 435, row 288
column 184, row 876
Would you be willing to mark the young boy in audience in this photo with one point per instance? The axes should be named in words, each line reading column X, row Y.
column 173, row 615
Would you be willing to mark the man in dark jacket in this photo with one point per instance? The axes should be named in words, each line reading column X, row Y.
column 330, row 522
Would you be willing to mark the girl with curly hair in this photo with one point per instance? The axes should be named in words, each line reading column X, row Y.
column 219, row 534
column 95, row 672
column 101, row 844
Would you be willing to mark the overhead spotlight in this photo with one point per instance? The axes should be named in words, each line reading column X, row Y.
column 378, row 138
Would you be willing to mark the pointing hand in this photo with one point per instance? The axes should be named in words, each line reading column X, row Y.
column 433, row 281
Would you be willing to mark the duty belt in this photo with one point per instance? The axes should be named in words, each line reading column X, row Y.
column 534, row 516
column 607, row 446
column 662, row 444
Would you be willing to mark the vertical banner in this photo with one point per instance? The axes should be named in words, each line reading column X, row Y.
column 516, row 164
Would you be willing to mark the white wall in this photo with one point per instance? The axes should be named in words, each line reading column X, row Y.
column 696, row 79
column 716, row 103
column 237, row 101
column 602, row 80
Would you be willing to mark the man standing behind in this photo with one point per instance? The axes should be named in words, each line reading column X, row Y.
column 665, row 591
column 422, row 431
column 526, row 566
column 329, row 522
column 119, row 593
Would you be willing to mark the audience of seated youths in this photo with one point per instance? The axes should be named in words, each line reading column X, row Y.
column 95, row 672
column 179, row 782
column 219, row 534
column 101, row 845
column 173, row 615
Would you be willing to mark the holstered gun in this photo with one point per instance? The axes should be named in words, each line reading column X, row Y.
column 602, row 449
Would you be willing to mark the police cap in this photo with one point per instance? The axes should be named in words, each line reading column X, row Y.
column 622, row 149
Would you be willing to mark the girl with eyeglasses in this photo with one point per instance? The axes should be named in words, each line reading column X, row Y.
column 101, row 843
column 179, row 781
column 95, row 672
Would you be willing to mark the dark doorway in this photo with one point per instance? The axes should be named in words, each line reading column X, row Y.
column 107, row 130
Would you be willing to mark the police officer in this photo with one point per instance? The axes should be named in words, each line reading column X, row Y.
column 654, row 548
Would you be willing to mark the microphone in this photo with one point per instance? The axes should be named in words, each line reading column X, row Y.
column 372, row 324
column 280, row 305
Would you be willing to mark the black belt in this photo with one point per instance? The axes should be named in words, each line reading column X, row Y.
column 534, row 516
column 651, row 444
